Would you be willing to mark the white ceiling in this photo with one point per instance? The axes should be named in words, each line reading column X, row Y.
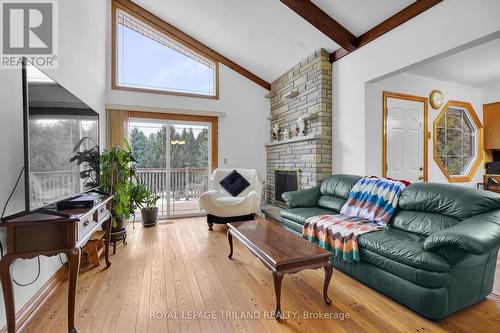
column 265, row 36
column 359, row 16
column 477, row 67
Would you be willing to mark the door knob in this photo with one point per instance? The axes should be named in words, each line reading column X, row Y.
column 421, row 169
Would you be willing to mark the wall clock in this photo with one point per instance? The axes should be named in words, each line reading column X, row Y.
column 436, row 99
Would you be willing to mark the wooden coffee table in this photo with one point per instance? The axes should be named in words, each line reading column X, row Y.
column 281, row 251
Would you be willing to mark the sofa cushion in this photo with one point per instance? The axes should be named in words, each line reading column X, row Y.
column 417, row 276
column 403, row 247
column 300, row 215
column 457, row 201
column 331, row 202
column 422, row 223
column 293, row 226
column 339, row 185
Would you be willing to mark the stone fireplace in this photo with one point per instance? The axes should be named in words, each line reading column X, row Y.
column 304, row 91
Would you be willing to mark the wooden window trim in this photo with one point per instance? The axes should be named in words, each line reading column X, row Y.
column 115, row 86
column 389, row 94
column 479, row 142
column 214, row 128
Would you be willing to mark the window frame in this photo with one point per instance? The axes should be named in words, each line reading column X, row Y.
column 142, row 16
column 478, row 144
column 212, row 120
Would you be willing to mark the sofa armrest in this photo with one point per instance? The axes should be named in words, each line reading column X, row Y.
column 479, row 234
column 304, row 198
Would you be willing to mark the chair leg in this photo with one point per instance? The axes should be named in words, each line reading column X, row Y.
column 210, row 226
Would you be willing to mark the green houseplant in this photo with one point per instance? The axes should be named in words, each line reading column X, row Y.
column 149, row 212
column 142, row 198
column 116, row 179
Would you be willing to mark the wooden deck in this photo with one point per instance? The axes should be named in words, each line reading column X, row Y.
column 179, row 267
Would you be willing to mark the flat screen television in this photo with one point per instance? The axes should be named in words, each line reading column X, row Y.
column 61, row 142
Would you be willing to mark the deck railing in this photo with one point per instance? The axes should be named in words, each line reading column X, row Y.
column 185, row 183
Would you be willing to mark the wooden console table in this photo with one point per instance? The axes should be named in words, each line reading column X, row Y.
column 41, row 234
column 281, row 251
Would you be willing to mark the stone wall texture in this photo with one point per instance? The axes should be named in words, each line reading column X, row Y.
column 312, row 157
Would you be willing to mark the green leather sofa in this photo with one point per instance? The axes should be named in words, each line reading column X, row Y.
column 439, row 253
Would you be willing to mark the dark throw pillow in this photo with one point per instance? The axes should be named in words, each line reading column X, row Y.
column 234, row 183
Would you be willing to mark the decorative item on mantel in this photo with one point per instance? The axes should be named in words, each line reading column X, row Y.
column 301, row 127
column 276, row 132
column 286, row 133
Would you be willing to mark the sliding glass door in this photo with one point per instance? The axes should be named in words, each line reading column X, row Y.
column 173, row 160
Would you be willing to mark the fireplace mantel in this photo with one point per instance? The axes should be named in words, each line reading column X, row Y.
column 297, row 139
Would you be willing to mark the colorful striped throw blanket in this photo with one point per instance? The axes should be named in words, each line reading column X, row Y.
column 371, row 204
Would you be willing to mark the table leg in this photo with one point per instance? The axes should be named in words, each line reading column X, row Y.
column 8, row 294
column 73, row 265
column 328, row 277
column 277, row 277
column 230, row 240
column 108, row 240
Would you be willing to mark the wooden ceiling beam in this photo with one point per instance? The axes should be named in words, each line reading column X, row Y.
column 392, row 22
column 190, row 41
column 324, row 23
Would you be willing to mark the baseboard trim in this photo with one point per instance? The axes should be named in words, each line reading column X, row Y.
column 35, row 303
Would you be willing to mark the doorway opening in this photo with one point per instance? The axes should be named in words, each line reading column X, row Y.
column 174, row 160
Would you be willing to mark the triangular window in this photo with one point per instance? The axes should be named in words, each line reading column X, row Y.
column 149, row 60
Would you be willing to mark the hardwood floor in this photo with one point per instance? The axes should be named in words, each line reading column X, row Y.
column 180, row 267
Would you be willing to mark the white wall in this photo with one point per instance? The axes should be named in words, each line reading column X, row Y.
column 81, row 70
column 418, row 86
column 491, row 95
column 448, row 25
column 242, row 132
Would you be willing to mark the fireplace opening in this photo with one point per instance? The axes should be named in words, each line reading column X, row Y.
column 284, row 181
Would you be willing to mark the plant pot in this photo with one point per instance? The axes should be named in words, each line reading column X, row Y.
column 120, row 225
column 149, row 216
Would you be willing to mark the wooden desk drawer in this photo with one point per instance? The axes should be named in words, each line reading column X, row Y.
column 84, row 227
column 102, row 213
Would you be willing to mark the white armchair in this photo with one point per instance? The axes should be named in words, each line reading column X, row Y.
column 222, row 207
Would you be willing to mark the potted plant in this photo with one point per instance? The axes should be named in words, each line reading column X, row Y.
column 116, row 179
column 149, row 212
column 142, row 198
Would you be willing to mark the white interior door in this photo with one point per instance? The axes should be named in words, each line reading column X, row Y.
column 405, row 137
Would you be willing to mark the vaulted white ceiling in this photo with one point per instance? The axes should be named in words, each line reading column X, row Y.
column 359, row 16
column 265, row 36
column 477, row 67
